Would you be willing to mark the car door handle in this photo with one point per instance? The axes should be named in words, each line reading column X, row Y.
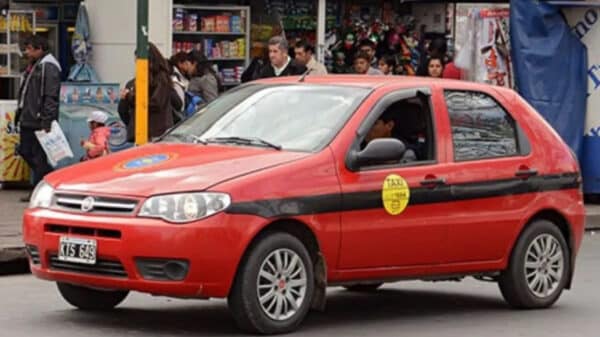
column 526, row 173
column 432, row 182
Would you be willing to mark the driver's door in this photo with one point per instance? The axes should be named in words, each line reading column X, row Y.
column 377, row 230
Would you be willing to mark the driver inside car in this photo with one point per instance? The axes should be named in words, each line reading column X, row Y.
column 384, row 128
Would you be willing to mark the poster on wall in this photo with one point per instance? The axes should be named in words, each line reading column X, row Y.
column 483, row 44
column 78, row 100
column 585, row 23
column 12, row 167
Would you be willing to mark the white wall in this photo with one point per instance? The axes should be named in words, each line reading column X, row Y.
column 113, row 35
column 586, row 24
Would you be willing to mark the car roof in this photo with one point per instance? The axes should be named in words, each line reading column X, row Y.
column 375, row 82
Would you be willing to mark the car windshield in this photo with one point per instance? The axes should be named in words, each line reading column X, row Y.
column 294, row 117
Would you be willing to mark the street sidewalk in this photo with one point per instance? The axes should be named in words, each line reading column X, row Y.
column 11, row 210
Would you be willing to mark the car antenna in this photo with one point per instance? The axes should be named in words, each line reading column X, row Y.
column 301, row 80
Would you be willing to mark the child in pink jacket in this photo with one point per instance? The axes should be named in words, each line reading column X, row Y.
column 97, row 145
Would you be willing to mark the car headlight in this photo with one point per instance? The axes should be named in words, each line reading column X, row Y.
column 185, row 207
column 41, row 196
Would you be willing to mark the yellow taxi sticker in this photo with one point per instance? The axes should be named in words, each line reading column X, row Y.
column 395, row 194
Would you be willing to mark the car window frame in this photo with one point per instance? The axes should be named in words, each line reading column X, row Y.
column 378, row 108
column 522, row 141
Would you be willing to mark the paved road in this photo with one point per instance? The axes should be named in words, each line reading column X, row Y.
column 30, row 307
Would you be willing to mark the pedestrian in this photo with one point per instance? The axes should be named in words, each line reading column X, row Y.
column 339, row 64
column 97, row 144
column 362, row 65
column 37, row 104
column 435, row 67
column 370, row 48
column 387, row 64
column 163, row 99
column 437, row 49
column 452, row 71
column 163, row 102
column 304, row 55
column 181, row 65
column 204, row 80
column 281, row 63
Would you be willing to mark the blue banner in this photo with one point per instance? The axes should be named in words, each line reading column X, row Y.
column 550, row 64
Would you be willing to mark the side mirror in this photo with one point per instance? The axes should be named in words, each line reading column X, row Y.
column 380, row 151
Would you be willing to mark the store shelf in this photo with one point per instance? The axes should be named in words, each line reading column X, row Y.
column 208, row 33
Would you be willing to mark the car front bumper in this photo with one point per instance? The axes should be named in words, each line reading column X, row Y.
column 212, row 247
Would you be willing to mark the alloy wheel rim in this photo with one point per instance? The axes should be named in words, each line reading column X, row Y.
column 281, row 284
column 544, row 265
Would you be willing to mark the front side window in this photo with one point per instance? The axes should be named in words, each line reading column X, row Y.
column 301, row 118
column 481, row 128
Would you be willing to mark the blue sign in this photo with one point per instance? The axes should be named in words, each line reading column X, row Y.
column 143, row 162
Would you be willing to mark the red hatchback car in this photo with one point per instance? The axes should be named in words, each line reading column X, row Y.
column 283, row 187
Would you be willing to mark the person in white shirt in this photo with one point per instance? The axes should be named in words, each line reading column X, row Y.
column 305, row 55
column 281, row 63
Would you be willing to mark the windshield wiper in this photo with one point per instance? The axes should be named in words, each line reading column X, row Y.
column 197, row 139
column 244, row 141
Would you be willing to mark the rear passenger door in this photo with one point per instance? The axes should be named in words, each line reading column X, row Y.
column 491, row 161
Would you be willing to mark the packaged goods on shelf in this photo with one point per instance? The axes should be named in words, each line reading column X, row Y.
column 236, row 24
column 191, row 22
column 208, row 24
column 222, row 24
column 178, row 17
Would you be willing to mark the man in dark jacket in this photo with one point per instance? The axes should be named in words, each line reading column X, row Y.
column 38, row 104
column 281, row 63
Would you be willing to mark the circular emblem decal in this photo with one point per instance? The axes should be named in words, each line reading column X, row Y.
column 144, row 162
column 395, row 194
column 87, row 205
column 118, row 134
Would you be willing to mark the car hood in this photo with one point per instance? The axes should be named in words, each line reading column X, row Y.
column 166, row 168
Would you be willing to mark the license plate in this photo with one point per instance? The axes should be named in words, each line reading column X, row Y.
column 77, row 250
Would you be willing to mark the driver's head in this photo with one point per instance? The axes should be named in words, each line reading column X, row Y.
column 383, row 127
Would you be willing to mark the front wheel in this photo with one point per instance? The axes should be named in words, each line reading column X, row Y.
column 274, row 287
column 539, row 267
column 90, row 299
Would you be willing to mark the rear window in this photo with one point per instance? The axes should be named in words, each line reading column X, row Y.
column 481, row 128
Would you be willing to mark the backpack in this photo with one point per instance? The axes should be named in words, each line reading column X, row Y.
column 193, row 103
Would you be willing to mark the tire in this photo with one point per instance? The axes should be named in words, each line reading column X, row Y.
column 90, row 299
column 364, row 287
column 517, row 283
column 246, row 308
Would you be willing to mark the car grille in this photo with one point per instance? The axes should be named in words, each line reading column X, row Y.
column 75, row 202
column 96, row 232
column 34, row 254
column 102, row 267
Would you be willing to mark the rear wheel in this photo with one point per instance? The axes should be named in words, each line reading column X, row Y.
column 90, row 299
column 274, row 287
column 539, row 267
column 364, row 287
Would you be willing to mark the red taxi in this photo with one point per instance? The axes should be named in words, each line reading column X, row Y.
column 283, row 187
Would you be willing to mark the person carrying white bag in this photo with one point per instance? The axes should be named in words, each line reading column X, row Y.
column 38, row 104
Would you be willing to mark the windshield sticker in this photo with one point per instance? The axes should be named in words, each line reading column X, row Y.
column 144, row 162
column 395, row 194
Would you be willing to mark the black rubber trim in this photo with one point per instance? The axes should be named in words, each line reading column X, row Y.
column 272, row 208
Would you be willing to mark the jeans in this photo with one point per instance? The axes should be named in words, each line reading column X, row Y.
column 33, row 153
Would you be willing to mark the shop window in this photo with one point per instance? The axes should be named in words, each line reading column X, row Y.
column 481, row 128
